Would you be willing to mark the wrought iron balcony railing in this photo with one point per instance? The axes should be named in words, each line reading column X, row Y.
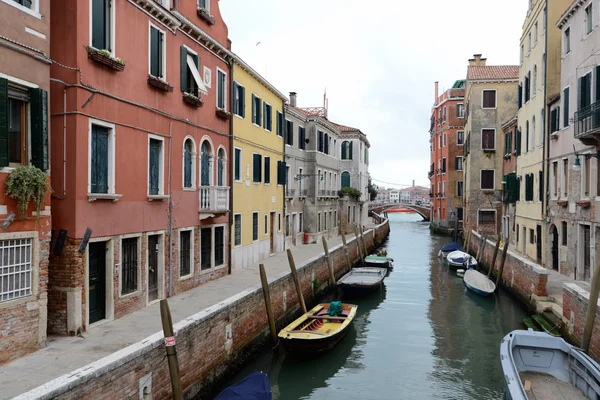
column 587, row 121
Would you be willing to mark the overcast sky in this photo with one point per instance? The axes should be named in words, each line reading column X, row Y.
column 378, row 60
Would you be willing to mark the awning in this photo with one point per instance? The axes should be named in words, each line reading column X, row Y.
column 192, row 66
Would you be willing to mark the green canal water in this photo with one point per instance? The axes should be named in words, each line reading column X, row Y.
column 424, row 336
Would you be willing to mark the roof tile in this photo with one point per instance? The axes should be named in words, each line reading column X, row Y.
column 492, row 72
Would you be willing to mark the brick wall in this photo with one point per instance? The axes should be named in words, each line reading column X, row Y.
column 575, row 303
column 206, row 354
column 520, row 275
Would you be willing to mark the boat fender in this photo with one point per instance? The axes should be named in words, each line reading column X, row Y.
column 440, row 253
column 460, row 271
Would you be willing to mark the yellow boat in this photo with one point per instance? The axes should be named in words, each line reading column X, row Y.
column 316, row 331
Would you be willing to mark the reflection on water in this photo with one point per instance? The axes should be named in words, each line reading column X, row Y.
column 423, row 336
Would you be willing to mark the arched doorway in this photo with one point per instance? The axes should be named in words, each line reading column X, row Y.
column 554, row 248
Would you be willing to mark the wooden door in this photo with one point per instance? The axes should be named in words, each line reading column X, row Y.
column 555, row 249
column 97, row 281
column 272, row 233
column 153, row 267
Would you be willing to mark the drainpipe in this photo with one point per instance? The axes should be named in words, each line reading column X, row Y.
column 283, row 127
column 231, row 163
column 170, row 210
column 546, row 143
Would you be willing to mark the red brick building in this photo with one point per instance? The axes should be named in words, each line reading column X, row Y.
column 24, row 132
column 445, row 173
column 141, row 114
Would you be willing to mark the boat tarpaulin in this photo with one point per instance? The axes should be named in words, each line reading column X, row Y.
column 255, row 386
column 452, row 247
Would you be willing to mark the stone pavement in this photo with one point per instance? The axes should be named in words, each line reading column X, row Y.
column 66, row 354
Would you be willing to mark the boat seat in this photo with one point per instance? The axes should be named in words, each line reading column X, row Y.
column 345, row 312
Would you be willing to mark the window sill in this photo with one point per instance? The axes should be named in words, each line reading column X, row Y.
column 222, row 113
column 161, row 197
column 238, row 116
column 159, row 84
column 186, row 277
column 192, row 100
column 488, row 150
column 205, row 16
column 189, row 189
column 132, row 294
column 109, row 61
column 23, row 8
column 104, row 196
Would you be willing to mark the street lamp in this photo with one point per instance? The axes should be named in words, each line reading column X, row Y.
column 577, row 163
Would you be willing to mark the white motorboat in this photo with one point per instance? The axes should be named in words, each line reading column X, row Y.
column 459, row 258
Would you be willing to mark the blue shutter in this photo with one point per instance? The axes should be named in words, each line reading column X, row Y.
column 3, row 122
column 153, row 168
column 39, row 128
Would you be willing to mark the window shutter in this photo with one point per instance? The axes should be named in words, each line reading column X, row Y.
column 99, row 167
column 456, row 163
column 281, row 172
column 265, row 114
column 267, row 170
column 254, row 109
column 242, row 105
column 566, row 108
column 161, row 37
column 518, row 144
column 350, row 151
column 154, row 52
column 579, row 93
column 541, row 186
column 154, row 166
column 99, row 24
column 344, row 145
column 326, row 139
column 39, row 128
column 597, row 82
column 183, row 69
column 3, row 122
column 236, row 99
column 520, row 95
column 187, row 171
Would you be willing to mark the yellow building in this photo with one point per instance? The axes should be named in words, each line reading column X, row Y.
column 258, row 168
column 539, row 76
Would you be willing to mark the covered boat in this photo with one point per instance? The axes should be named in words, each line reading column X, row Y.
column 255, row 386
column 459, row 259
column 449, row 248
column 362, row 281
column 378, row 262
column 478, row 282
column 318, row 331
column 536, row 365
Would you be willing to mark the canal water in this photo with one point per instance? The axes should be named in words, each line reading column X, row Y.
column 423, row 336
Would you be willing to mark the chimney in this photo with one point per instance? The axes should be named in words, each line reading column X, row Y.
column 477, row 61
column 436, row 92
column 293, row 99
column 413, row 183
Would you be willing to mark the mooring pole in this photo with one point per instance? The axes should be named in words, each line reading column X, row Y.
column 296, row 281
column 267, row 296
column 467, row 238
column 360, row 253
column 591, row 311
column 362, row 239
column 329, row 262
column 480, row 249
column 502, row 260
column 493, row 264
column 345, row 248
column 167, row 325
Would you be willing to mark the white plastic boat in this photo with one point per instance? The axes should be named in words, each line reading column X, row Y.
column 460, row 259
column 536, row 365
column 478, row 283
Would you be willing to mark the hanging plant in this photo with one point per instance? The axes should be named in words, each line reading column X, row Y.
column 24, row 184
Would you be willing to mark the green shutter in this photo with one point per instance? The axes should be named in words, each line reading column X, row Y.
column 259, row 112
column 155, row 52
column 254, row 115
column 566, row 108
column 3, row 122
column 183, row 71
column 267, row 170
column 265, row 114
column 236, row 99
column 237, row 164
column 99, row 161
column 281, row 172
column 39, row 128
column 279, row 124
column 243, row 102
column 153, row 168
column 350, row 151
column 345, row 179
column 344, row 145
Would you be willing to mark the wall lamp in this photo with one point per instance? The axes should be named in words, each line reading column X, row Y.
column 577, row 163
column 299, row 177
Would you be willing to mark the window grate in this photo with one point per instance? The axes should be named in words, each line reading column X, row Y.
column 205, row 246
column 185, row 266
column 15, row 269
column 130, row 265
column 219, row 245
column 237, row 230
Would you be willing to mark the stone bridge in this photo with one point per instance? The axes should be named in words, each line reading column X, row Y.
column 423, row 211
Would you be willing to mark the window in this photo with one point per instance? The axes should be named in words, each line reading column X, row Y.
column 439, row 141
column 443, row 165
column 219, row 245
column 205, row 4
column 460, row 138
column 531, row 237
column 256, row 110
column 444, row 140
column 239, row 100
column 489, row 99
column 16, row 269
column 287, row 225
column 320, row 141
column 301, row 138
column 534, row 80
column 564, row 233
column 555, row 179
column 300, row 228
column 554, row 119
column 540, row 186
column 319, row 221
column 345, row 179
column 586, row 177
column 237, row 166
column 529, row 42
column 522, row 53
column 266, row 224
column 564, row 184
column 205, row 248
column 458, row 163
column 347, row 150
column 279, row 124
column 289, row 132
column 129, row 265
column 535, row 33
column 185, row 253
column 585, row 91
column 278, row 222
column 533, row 134
column 189, row 164
column 221, row 167
column 256, row 168
column 155, row 167
column 459, row 213
column 268, row 118
column 488, row 139
column 190, row 76
column 589, row 20
column 460, row 111
column 444, row 117
column 459, row 188
column 567, row 41
column 157, row 52
column 487, row 216
column 237, row 229
column 254, row 226
column 282, row 172
column 101, row 159
column 267, row 169
column 529, row 187
column 221, row 90
column 487, row 179
column 102, row 21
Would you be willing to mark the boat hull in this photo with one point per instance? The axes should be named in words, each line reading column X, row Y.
column 456, row 260
column 314, row 346
column 378, row 262
column 478, row 291
column 355, row 290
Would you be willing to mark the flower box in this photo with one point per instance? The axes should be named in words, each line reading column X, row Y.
column 192, row 100
column 584, row 203
column 222, row 113
column 159, row 84
column 205, row 16
column 562, row 203
column 103, row 57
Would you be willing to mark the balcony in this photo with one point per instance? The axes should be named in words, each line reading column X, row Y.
column 290, row 193
column 587, row 124
column 303, row 192
column 430, row 174
column 214, row 201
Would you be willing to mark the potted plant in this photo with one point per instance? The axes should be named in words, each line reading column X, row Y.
column 192, row 100
column 584, row 203
column 562, row 203
column 27, row 183
column 105, row 58
column 159, row 83
column 350, row 192
column 222, row 113
column 205, row 16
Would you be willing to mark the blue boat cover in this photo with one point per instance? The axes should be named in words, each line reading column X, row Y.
column 452, row 247
column 256, row 386
column 335, row 308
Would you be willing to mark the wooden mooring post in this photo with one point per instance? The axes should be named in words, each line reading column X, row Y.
column 167, row 325
column 345, row 248
column 493, row 264
column 480, row 249
column 362, row 239
column 358, row 246
column 329, row 262
column 467, row 239
column 502, row 260
column 296, row 281
column 591, row 311
column 267, row 296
